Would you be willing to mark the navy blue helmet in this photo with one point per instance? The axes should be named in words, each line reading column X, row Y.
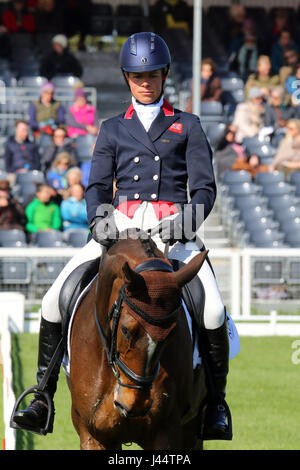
column 144, row 52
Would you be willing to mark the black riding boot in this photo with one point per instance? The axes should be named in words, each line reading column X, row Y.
column 35, row 415
column 217, row 419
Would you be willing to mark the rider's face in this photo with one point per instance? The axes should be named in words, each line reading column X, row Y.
column 146, row 87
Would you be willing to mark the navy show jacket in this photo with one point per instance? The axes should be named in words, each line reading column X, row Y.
column 154, row 165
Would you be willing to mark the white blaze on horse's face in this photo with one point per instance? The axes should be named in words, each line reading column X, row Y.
column 150, row 350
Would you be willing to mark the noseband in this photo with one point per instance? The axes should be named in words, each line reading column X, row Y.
column 113, row 358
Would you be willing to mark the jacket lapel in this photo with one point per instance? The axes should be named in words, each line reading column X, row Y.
column 161, row 123
column 136, row 129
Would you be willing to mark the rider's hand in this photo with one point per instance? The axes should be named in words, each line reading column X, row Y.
column 104, row 231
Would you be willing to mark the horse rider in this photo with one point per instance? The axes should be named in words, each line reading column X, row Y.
column 152, row 152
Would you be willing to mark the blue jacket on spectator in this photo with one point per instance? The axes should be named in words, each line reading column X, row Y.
column 74, row 214
column 19, row 156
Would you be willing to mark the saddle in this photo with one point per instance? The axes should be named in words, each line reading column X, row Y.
column 193, row 293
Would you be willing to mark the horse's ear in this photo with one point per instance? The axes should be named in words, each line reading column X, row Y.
column 187, row 272
column 133, row 280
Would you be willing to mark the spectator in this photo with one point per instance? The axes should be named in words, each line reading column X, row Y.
column 210, row 86
column 60, row 61
column 287, row 157
column 73, row 210
column 60, row 143
column 42, row 214
column 74, row 176
column 21, row 155
column 262, row 78
column 49, row 17
column 12, row 214
column 291, row 58
column 17, row 19
column 278, row 50
column 280, row 23
column 82, row 118
column 45, row 114
column 248, row 116
column 247, row 56
column 277, row 113
column 227, row 151
column 56, row 176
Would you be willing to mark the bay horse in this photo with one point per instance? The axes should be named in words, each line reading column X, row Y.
column 131, row 354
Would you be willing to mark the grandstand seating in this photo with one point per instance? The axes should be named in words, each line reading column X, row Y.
column 12, row 238
column 101, row 20
column 49, row 239
column 129, row 19
column 76, row 238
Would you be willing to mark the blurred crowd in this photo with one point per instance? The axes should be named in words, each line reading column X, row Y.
column 43, row 182
column 267, row 62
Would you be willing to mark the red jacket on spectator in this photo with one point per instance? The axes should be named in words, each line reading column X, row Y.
column 9, row 20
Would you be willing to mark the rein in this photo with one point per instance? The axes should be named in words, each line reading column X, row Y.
column 113, row 358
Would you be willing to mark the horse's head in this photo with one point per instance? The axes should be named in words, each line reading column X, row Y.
column 142, row 319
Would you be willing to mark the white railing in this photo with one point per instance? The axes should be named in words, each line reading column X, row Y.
column 235, row 270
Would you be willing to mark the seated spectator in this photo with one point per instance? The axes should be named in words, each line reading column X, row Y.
column 291, row 58
column 21, row 155
column 60, row 61
column 60, row 143
column 210, row 86
column 277, row 113
column 73, row 210
column 49, row 17
column 42, row 214
column 12, row 214
column 247, row 56
column 56, row 176
column 262, row 78
column 82, row 118
column 249, row 116
column 45, row 114
column 17, row 19
column 287, row 157
column 278, row 49
column 292, row 85
column 280, row 23
column 74, row 176
column 227, row 151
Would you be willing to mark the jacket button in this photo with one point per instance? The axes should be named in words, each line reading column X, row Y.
column 136, row 159
column 156, row 158
column 136, row 177
column 136, row 196
column 155, row 177
column 153, row 196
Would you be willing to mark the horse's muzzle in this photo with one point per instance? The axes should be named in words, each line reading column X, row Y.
column 127, row 413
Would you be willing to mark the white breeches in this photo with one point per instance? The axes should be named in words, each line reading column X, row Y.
column 144, row 218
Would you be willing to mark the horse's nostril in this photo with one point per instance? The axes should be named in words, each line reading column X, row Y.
column 121, row 408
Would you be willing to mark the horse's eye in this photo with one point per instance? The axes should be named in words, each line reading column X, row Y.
column 125, row 331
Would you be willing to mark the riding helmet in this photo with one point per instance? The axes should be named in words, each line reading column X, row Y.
column 144, row 52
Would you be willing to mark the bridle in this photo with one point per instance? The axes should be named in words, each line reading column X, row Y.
column 113, row 357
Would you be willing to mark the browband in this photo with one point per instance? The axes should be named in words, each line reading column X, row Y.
column 154, row 265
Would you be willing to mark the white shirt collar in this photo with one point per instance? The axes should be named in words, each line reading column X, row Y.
column 147, row 112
